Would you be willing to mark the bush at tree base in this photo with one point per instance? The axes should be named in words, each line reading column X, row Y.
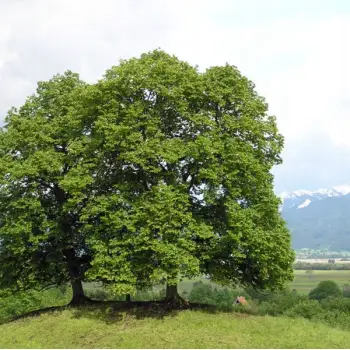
column 304, row 308
column 21, row 303
column 222, row 298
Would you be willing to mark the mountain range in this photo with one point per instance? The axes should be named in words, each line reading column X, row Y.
column 318, row 219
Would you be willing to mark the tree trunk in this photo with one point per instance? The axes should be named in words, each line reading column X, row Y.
column 171, row 291
column 173, row 297
column 79, row 297
column 128, row 298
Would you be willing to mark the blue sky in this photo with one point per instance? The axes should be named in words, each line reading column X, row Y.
column 297, row 53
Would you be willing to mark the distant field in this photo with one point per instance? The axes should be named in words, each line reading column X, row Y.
column 187, row 329
column 304, row 282
column 322, row 261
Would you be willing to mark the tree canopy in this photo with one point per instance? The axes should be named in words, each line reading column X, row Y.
column 155, row 173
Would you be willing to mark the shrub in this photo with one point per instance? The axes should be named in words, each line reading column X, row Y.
column 346, row 290
column 304, row 308
column 149, row 295
column 21, row 303
column 260, row 295
column 336, row 304
column 335, row 318
column 202, row 293
column 222, row 299
column 280, row 304
column 325, row 289
column 98, row 294
column 331, row 312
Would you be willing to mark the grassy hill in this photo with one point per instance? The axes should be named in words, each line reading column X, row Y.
column 98, row 328
column 145, row 324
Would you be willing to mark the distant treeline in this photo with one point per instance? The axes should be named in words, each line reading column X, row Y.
column 320, row 266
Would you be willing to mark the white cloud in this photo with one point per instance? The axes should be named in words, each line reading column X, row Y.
column 297, row 53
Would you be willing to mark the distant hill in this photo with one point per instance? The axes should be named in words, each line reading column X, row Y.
column 319, row 219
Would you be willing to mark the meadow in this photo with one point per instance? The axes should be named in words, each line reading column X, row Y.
column 97, row 328
column 265, row 323
column 304, row 282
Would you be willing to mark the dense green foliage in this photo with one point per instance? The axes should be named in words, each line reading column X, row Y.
column 194, row 156
column 333, row 312
column 41, row 174
column 325, row 289
column 24, row 302
column 155, row 173
column 221, row 298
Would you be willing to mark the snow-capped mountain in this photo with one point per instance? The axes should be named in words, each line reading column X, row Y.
column 302, row 198
column 318, row 218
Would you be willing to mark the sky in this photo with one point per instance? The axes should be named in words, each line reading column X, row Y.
column 297, row 52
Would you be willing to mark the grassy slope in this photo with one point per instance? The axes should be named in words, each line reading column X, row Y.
column 78, row 328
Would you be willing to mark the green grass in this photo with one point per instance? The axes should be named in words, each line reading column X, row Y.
column 103, row 328
column 76, row 328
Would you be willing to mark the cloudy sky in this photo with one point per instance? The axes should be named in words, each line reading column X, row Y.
column 296, row 51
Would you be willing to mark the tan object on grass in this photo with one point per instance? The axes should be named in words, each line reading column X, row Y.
column 241, row 300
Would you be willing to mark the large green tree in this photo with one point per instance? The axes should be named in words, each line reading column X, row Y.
column 44, row 185
column 155, row 173
column 192, row 154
